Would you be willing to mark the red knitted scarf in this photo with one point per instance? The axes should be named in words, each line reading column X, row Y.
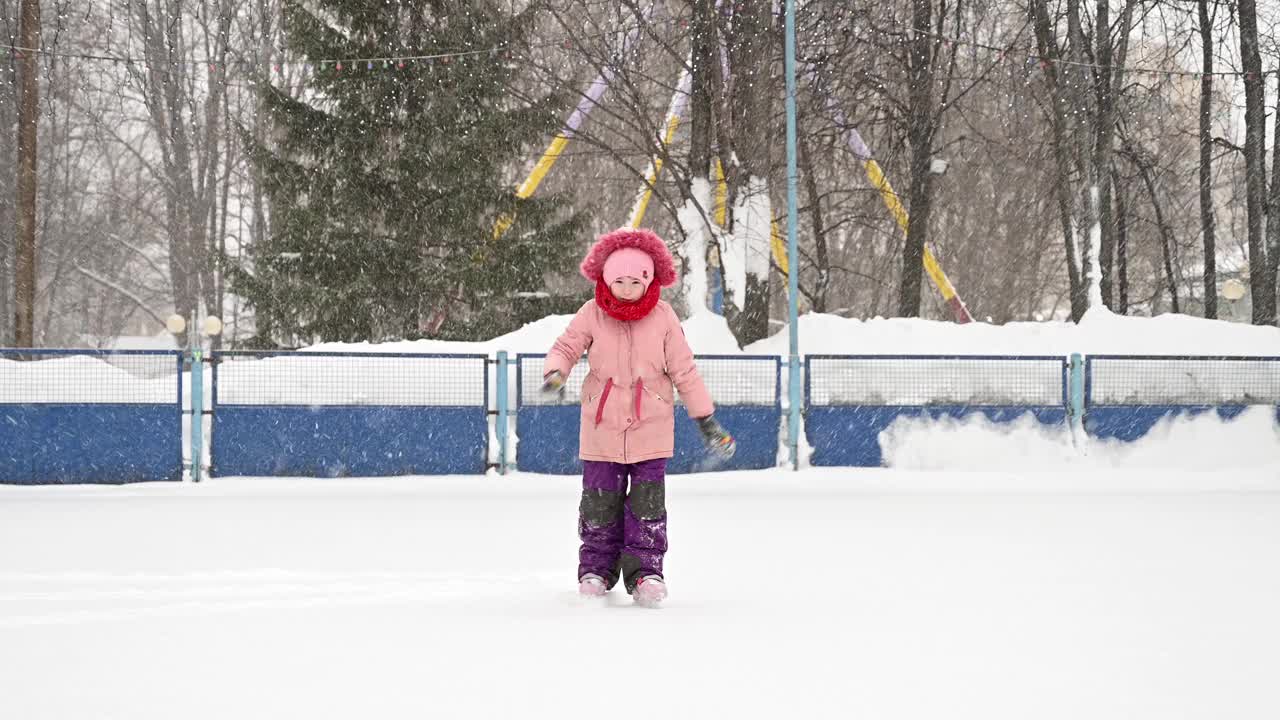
column 626, row 311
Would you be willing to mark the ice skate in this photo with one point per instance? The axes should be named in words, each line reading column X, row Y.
column 650, row 591
column 591, row 586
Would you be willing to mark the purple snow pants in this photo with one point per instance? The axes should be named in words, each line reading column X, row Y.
column 624, row 534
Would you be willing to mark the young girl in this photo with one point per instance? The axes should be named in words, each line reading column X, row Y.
column 637, row 352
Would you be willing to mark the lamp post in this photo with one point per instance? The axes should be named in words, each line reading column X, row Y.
column 210, row 326
column 1233, row 291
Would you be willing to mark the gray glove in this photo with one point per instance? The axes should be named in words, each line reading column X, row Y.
column 718, row 442
column 553, row 384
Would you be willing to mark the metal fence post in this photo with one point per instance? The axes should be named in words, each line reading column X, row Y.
column 197, row 412
column 500, row 429
column 793, row 252
column 794, row 402
column 1076, row 384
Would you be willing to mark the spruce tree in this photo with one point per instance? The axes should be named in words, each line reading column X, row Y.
column 385, row 177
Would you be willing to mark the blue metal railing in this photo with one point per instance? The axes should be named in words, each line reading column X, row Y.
column 851, row 399
column 90, row 416
column 333, row 413
column 1126, row 395
column 117, row 416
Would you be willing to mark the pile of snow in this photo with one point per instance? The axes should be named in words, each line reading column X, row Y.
column 163, row 340
column 363, row 380
column 89, row 378
column 707, row 333
column 1099, row 333
column 535, row 337
column 898, row 381
column 1121, row 381
column 1182, row 443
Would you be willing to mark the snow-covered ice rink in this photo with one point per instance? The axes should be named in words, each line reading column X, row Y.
column 827, row 593
column 993, row 573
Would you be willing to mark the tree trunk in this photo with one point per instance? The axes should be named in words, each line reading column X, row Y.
column 8, row 191
column 1273, row 222
column 1062, row 155
column 258, row 229
column 698, row 188
column 1102, row 147
column 1084, row 133
column 25, row 235
column 1106, row 257
column 1122, row 244
column 920, row 131
column 1166, row 235
column 206, row 243
column 187, row 138
column 817, row 298
column 1207, row 219
column 1262, row 286
column 702, row 30
column 751, row 57
column 161, row 86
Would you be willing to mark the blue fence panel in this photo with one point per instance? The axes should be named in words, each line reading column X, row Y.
column 90, row 416
column 326, row 414
column 851, row 399
column 745, row 388
column 1127, row 395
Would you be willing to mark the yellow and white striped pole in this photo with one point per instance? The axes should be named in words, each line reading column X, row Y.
column 590, row 99
column 931, row 266
column 679, row 101
column 894, row 203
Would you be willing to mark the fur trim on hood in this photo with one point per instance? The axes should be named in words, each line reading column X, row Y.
column 664, row 266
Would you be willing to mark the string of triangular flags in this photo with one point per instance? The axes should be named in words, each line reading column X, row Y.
column 386, row 62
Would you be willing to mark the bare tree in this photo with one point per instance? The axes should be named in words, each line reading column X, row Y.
column 1122, row 243
column 1262, row 284
column 8, row 192
column 1207, row 218
column 25, row 236
column 182, row 84
column 698, row 190
column 1083, row 117
column 752, row 46
column 1143, row 165
column 925, row 60
column 1273, row 211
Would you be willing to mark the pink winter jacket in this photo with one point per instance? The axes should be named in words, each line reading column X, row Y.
column 627, row 399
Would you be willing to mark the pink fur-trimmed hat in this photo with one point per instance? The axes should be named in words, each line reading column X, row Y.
column 664, row 266
column 628, row 262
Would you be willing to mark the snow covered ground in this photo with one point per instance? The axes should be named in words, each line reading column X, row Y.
column 827, row 593
column 992, row 573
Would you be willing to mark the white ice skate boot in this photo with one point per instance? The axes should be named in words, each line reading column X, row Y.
column 650, row 591
column 591, row 586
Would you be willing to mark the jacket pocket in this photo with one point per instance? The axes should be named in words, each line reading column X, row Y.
column 659, row 396
column 661, row 388
column 590, row 389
